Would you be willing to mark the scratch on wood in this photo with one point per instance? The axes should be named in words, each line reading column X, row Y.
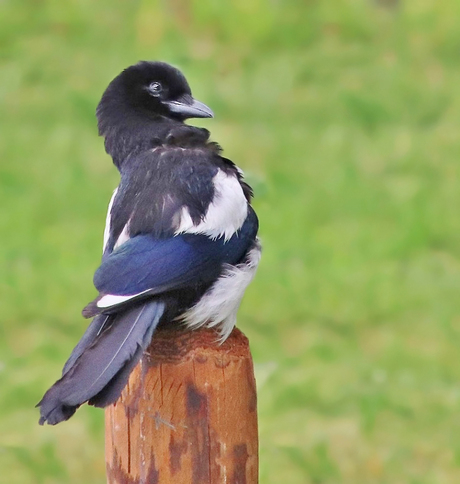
column 161, row 383
column 159, row 421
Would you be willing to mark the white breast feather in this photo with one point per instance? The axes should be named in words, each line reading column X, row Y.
column 220, row 303
column 226, row 213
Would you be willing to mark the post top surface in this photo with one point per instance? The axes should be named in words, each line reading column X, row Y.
column 170, row 345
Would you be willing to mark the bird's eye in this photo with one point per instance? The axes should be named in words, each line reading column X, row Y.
column 155, row 89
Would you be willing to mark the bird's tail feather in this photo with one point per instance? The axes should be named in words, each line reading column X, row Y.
column 92, row 331
column 99, row 367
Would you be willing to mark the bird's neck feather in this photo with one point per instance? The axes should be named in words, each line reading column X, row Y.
column 133, row 133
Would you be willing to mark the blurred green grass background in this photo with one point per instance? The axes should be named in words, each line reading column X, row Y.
column 345, row 117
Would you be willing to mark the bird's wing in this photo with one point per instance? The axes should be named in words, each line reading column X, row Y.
column 148, row 265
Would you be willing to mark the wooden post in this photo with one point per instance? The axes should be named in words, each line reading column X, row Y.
column 188, row 414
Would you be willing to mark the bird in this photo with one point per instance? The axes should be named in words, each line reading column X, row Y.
column 180, row 243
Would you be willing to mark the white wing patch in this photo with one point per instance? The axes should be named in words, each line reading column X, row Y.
column 112, row 299
column 124, row 236
column 226, row 213
column 220, row 303
column 107, row 221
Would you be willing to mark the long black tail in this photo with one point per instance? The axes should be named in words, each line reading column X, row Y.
column 99, row 366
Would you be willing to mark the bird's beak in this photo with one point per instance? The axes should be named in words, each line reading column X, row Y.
column 187, row 107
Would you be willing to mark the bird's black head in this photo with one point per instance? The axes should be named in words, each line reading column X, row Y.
column 145, row 99
column 153, row 89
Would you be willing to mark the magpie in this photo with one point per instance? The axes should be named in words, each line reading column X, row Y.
column 180, row 243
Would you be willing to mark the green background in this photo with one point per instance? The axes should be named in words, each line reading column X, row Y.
column 345, row 117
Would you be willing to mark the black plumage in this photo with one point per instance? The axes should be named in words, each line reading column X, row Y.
column 180, row 233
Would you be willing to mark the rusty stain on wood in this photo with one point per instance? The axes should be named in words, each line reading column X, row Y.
column 176, row 450
column 240, row 453
column 116, row 472
column 153, row 474
column 198, row 433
